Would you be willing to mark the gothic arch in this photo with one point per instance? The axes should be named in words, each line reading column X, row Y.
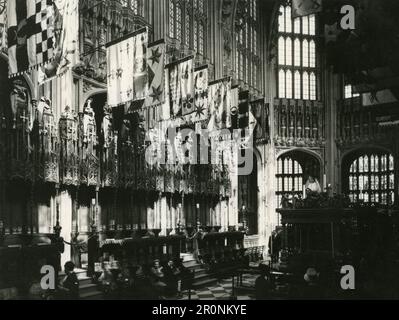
column 91, row 94
column 308, row 151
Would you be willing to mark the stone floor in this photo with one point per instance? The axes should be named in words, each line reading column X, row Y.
column 223, row 290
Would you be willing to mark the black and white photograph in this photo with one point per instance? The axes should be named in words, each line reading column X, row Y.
column 199, row 150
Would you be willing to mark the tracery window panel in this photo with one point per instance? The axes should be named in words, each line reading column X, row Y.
column 288, row 84
column 248, row 45
column 297, row 85
column 297, row 51
column 305, row 86
column 371, row 178
column 289, row 178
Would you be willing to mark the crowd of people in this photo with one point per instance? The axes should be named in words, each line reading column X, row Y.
column 140, row 282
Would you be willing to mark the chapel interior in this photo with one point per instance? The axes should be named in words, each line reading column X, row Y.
column 322, row 105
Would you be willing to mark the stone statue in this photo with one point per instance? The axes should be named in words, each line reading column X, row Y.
column 88, row 122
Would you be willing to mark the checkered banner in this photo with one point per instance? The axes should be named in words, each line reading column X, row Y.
column 66, row 45
column 3, row 28
column 30, row 34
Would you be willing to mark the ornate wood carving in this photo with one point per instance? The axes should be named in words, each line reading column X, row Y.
column 299, row 123
column 357, row 124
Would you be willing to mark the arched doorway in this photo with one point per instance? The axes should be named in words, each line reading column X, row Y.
column 293, row 170
column 368, row 175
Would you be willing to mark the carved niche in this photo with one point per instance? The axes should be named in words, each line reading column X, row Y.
column 88, row 144
column 109, row 163
column 299, row 123
column 69, row 156
column 19, row 149
column 46, row 143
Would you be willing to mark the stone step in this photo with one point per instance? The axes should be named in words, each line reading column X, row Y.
column 200, row 271
column 87, row 288
column 92, row 295
column 191, row 264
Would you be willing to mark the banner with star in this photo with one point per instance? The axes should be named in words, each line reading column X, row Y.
column 122, row 67
column 186, row 70
column 201, row 76
column 156, row 79
column 181, row 86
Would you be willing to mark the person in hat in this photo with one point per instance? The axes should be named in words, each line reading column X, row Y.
column 312, row 289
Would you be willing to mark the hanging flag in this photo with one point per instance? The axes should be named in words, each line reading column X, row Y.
column 120, row 69
column 156, row 73
column 301, row 8
column 66, row 44
column 232, row 116
column 30, row 34
column 164, row 109
column 219, row 103
column 181, row 87
column 3, row 27
column 201, row 76
column 140, row 73
column 186, row 71
column 260, row 111
column 243, row 110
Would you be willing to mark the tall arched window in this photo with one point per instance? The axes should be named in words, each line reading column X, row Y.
column 175, row 19
column 369, row 176
column 247, row 49
column 298, row 58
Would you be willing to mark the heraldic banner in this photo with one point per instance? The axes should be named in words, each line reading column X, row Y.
column 201, row 77
column 30, row 34
column 66, row 44
column 156, row 75
column 219, row 103
column 125, row 65
column 181, row 87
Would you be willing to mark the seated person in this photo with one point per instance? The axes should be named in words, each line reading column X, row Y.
column 173, row 277
column 312, row 289
column 69, row 286
column 107, row 280
column 142, row 286
column 125, row 282
column 158, row 277
column 263, row 286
